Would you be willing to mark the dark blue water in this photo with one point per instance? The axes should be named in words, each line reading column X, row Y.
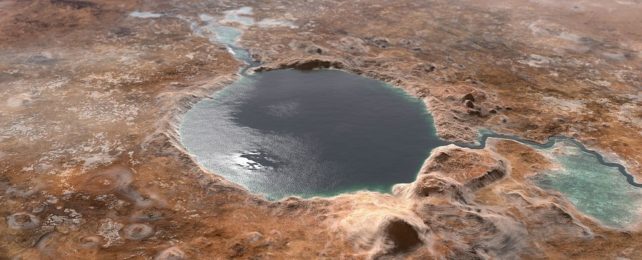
column 310, row 133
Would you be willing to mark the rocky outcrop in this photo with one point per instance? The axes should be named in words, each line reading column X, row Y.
column 489, row 177
column 310, row 63
column 379, row 42
column 481, row 166
column 465, row 203
column 437, row 185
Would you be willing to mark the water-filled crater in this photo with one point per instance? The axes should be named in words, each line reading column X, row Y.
column 308, row 133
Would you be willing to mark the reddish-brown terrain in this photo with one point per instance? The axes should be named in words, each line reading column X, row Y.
column 91, row 166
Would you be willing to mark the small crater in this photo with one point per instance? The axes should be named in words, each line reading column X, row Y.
column 91, row 241
column 109, row 180
column 403, row 236
column 137, row 231
column 172, row 253
column 23, row 221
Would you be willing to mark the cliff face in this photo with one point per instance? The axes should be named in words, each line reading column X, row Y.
column 90, row 163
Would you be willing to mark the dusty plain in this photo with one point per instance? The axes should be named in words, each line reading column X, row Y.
column 91, row 166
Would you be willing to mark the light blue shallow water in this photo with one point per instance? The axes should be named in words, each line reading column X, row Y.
column 603, row 190
column 595, row 189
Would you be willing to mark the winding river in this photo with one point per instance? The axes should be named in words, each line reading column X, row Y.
column 550, row 143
